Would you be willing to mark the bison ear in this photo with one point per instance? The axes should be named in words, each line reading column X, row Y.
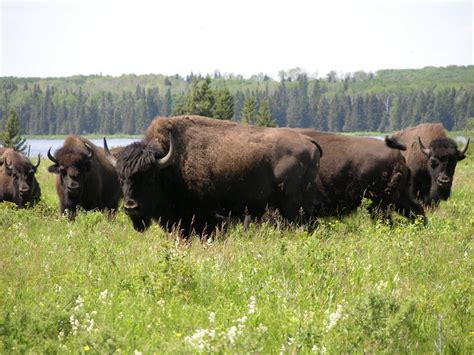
column 54, row 169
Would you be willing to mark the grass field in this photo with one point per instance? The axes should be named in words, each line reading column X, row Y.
column 351, row 285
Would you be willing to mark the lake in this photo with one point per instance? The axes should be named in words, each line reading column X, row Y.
column 41, row 146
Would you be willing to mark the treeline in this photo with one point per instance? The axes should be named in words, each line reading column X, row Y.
column 384, row 101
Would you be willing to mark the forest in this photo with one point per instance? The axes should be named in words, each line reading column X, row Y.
column 386, row 100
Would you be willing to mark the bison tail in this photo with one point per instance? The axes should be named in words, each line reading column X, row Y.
column 319, row 147
column 392, row 142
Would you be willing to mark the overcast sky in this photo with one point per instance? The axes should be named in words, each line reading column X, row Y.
column 68, row 37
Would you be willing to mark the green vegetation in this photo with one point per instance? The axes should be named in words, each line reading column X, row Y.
column 351, row 285
column 381, row 101
column 11, row 136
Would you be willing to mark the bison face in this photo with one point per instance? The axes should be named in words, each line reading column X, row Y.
column 442, row 157
column 139, row 168
column 72, row 170
column 22, row 173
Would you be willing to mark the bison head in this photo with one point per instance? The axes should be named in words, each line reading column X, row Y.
column 139, row 167
column 22, row 173
column 442, row 157
column 72, row 165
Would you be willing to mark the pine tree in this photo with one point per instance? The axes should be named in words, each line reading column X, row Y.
column 248, row 111
column 264, row 117
column 224, row 105
column 11, row 136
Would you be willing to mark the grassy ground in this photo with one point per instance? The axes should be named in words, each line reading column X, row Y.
column 98, row 286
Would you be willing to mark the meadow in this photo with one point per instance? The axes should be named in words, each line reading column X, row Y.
column 350, row 285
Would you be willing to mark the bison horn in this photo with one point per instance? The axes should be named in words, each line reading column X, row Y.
column 112, row 160
column 39, row 161
column 90, row 151
column 166, row 160
column 464, row 150
column 424, row 150
column 51, row 157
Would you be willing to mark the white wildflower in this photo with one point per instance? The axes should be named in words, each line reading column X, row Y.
column 75, row 325
column 334, row 318
column 201, row 339
column 252, row 304
column 57, row 288
column 232, row 334
column 61, row 335
column 46, row 268
column 90, row 325
column 319, row 350
column 160, row 302
column 103, row 296
column 262, row 328
column 136, row 352
column 79, row 303
column 212, row 317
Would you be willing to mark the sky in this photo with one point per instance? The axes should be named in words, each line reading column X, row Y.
column 55, row 38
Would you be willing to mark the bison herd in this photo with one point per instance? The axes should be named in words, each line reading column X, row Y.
column 193, row 173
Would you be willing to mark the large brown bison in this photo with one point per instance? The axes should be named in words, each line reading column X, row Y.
column 188, row 170
column 356, row 167
column 18, row 183
column 85, row 177
column 432, row 157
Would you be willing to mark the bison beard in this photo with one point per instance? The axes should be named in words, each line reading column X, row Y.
column 217, row 169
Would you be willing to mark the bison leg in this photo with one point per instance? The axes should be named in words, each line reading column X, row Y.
column 411, row 209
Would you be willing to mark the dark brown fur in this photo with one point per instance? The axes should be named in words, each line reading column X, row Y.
column 432, row 175
column 18, row 183
column 356, row 167
column 218, row 168
column 90, row 183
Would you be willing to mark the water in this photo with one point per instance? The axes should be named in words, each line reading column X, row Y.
column 41, row 146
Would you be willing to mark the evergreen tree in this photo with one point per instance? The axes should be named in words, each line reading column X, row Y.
column 11, row 136
column 264, row 117
column 167, row 108
column 201, row 99
column 248, row 111
column 224, row 105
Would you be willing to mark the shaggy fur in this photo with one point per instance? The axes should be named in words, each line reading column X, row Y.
column 428, row 171
column 18, row 183
column 218, row 168
column 357, row 167
column 90, row 183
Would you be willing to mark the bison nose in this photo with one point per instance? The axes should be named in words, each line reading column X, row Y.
column 73, row 186
column 130, row 205
column 24, row 190
column 444, row 180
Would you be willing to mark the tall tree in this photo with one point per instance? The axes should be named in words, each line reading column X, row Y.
column 248, row 111
column 264, row 117
column 224, row 105
column 11, row 136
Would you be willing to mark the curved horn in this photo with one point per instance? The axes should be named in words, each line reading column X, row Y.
column 166, row 160
column 464, row 150
column 90, row 151
column 39, row 161
column 112, row 160
column 51, row 157
column 424, row 150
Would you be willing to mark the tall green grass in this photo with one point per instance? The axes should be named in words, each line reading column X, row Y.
column 351, row 285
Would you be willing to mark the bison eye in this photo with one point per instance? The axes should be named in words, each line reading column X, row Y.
column 434, row 163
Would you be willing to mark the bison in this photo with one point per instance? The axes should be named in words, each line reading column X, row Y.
column 356, row 167
column 432, row 157
column 18, row 183
column 85, row 178
column 189, row 170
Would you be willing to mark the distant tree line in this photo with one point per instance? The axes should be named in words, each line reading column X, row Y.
column 358, row 102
